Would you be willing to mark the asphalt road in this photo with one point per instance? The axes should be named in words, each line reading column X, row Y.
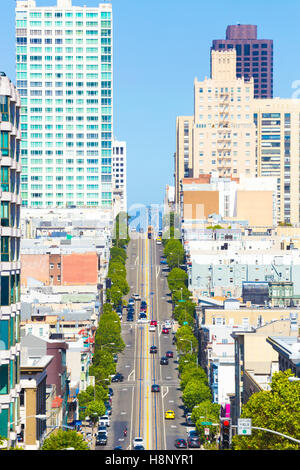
column 134, row 405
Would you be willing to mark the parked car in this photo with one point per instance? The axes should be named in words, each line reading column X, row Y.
column 101, row 439
column 180, row 444
column 164, row 361
column 115, row 357
column 110, row 392
column 104, row 421
column 102, row 429
column 194, row 442
column 136, row 296
column 118, row 377
column 188, row 419
column 167, row 324
column 169, row 354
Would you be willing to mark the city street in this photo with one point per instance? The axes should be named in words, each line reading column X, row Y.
column 134, row 405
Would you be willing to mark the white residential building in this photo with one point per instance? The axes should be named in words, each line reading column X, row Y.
column 65, row 79
column 119, row 163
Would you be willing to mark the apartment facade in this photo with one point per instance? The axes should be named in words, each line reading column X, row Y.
column 254, row 57
column 119, row 172
column 10, row 167
column 220, row 137
column 250, row 199
column 65, row 79
column 278, row 143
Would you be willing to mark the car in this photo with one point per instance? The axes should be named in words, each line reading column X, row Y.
column 194, row 442
column 153, row 323
column 142, row 320
column 108, row 409
column 136, row 296
column 115, row 357
column 143, row 306
column 167, row 324
column 153, row 349
column 102, row 429
column 101, row 439
column 138, row 441
column 155, row 388
column 152, row 328
column 169, row 354
column 180, row 444
column 139, row 448
column 130, row 310
column 169, row 414
column 110, row 392
column 130, row 319
column 131, row 301
column 188, row 419
column 165, row 331
column 104, row 421
column 142, row 315
column 164, row 361
column 158, row 242
column 118, row 448
column 163, row 261
column 118, row 377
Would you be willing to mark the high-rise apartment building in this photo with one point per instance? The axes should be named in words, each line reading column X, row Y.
column 220, row 137
column 10, row 308
column 65, row 79
column 278, row 144
column 119, row 163
column 254, row 57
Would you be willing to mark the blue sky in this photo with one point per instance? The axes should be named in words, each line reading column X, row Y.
column 159, row 48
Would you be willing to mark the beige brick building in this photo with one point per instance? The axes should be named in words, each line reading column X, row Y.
column 221, row 134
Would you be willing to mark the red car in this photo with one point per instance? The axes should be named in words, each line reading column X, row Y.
column 169, row 354
column 153, row 323
column 165, row 331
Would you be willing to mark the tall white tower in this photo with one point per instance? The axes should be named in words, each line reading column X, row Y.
column 65, row 80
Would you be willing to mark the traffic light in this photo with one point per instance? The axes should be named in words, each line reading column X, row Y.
column 226, row 433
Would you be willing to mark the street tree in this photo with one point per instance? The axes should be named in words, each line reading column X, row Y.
column 62, row 440
column 277, row 409
column 195, row 392
column 203, row 412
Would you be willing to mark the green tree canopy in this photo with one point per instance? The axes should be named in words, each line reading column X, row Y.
column 187, row 361
column 185, row 339
column 193, row 373
column 177, row 278
column 206, row 411
column 95, row 409
column 118, row 253
column 61, row 440
column 195, row 392
column 277, row 409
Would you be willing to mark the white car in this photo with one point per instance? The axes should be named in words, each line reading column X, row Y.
column 104, row 421
column 136, row 296
column 152, row 328
column 167, row 324
column 143, row 320
column 138, row 441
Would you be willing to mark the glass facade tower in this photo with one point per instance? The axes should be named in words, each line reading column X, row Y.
column 65, row 80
